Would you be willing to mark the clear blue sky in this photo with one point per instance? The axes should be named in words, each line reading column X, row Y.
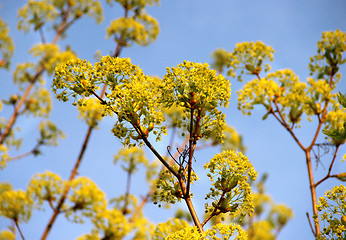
column 189, row 30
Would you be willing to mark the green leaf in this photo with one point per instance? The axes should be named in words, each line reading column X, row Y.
column 342, row 99
column 338, row 135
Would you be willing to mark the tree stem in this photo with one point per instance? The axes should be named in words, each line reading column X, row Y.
column 312, row 191
column 20, row 232
column 193, row 214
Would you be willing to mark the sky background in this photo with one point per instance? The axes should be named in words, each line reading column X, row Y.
column 189, row 30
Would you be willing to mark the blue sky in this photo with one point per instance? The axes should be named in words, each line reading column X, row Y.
column 189, row 30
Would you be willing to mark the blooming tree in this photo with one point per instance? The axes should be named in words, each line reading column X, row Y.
column 189, row 101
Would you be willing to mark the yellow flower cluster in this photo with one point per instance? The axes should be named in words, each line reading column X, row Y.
column 4, row 155
column 281, row 91
column 142, row 29
column 230, row 174
column 6, row 45
column 39, row 103
column 332, row 210
column 85, row 197
column 165, row 229
column 38, row 13
column 133, row 95
column 51, row 55
column 221, row 59
column 330, row 48
column 178, row 229
column 91, row 111
column 46, row 186
column 194, row 86
column 41, row 12
column 24, row 73
column 336, row 119
column 15, row 205
column 136, row 27
column 168, row 188
column 7, row 235
column 49, row 133
column 231, row 141
column 133, row 157
column 332, row 39
column 249, row 57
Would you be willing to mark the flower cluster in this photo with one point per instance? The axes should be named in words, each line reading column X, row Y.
column 142, row 29
column 330, row 48
column 332, row 209
column 6, row 45
column 249, row 57
column 38, row 13
column 165, row 229
column 194, row 86
column 283, row 92
column 336, row 122
column 230, row 174
column 127, row 85
column 168, row 189
column 177, row 229
column 15, row 205
column 46, row 186
column 85, row 200
column 136, row 27
column 49, row 133
column 91, row 111
column 50, row 55
column 132, row 158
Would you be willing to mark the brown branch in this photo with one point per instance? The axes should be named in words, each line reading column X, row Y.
column 20, row 232
column 33, row 151
column 193, row 214
column 161, row 159
column 214, row 213
column 189, row 164
column 285, row 125
column 67, row 186
column 312, row 191
column 64, row 25
column 153, row 187
column 312, row 229
column 19, row 105
column 62, row 28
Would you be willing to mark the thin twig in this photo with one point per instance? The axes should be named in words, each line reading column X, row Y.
column 153, row 186
column 330, row 168
column 23, row 155
column 127, row 193
column 20, row 232
column 67, row 186
column 19, row 105
column 312, row 229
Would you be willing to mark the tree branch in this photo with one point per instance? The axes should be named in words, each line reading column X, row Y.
column 330, row 168
column 19, row 105
column 312, row 229
column 20, row 232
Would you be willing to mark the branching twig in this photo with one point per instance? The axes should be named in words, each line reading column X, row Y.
column 312, row 229
column 330, row 168
column 153, row 187
column 23, row 155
